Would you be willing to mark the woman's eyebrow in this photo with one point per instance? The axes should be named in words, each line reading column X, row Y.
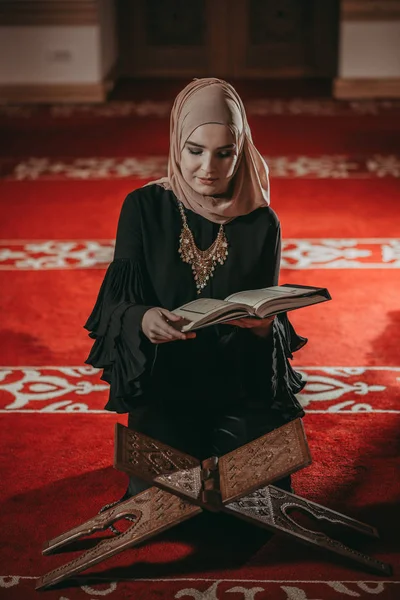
column 219, row 148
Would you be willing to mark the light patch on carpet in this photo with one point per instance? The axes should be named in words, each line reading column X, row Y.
column 78, row 389
column 298, row 254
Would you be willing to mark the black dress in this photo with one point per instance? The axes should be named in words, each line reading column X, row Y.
column 225, row 369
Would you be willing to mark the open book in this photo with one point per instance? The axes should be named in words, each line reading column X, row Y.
column 261, row 303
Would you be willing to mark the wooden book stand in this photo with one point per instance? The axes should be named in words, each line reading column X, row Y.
column 237, row 483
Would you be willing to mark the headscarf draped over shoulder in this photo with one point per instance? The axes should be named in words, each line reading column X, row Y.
column 211, row 100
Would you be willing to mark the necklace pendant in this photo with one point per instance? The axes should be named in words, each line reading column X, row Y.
column 203, row 262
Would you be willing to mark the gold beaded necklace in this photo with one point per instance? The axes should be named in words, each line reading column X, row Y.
column 203, row 261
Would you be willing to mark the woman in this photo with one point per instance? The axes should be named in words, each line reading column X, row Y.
column 206, row 230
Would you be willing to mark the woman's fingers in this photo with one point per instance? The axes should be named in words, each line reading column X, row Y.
column 161, row 339
column 234, row 323
column 170, row 331
column 244, row 323
column 158, row 328
column 178, row 335
column 163, row 334
column 170, row 315
column 165, row 331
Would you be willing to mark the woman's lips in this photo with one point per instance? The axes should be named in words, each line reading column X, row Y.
column 207, row 181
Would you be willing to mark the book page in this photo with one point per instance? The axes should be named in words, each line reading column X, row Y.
column 206, row 311
column 194, row 326
column 193, row 311
column 255, row 297
column 275, row 307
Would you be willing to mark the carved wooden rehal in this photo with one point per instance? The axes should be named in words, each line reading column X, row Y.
column 237, row 483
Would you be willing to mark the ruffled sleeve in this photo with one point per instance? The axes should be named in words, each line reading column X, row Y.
column 273, row 380
column 120, row 348
column 265, row 369
column 285, row 381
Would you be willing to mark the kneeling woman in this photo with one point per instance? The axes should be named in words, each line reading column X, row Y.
column 210, row 392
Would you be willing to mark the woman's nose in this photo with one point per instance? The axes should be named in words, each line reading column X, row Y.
column 208, row 165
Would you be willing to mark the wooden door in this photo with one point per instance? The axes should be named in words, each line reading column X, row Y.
column 173, row 38
column 284, row 38
column 228, row 38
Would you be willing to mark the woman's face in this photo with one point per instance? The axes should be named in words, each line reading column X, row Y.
column 208, row 159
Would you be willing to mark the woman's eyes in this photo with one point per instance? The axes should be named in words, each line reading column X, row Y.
column 225, row 154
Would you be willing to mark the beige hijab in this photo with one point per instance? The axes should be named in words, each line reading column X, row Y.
column 211, row 100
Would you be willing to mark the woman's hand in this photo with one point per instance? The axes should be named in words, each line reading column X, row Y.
column 260, row 327
column 156, row 327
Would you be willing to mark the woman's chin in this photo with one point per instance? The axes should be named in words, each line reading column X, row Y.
column 208, row 190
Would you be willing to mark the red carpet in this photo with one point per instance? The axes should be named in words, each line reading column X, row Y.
column 335, row 185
